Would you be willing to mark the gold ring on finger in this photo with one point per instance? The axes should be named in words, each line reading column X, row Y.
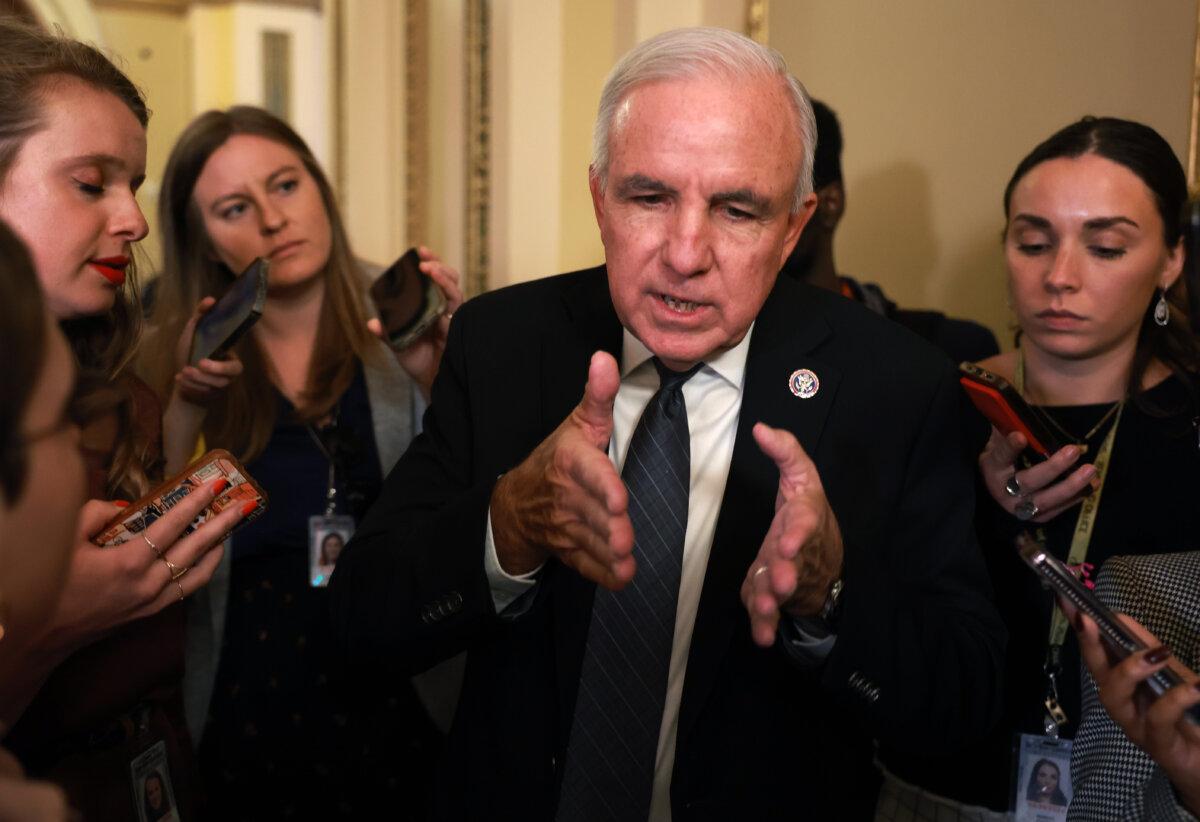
column 153, row 547
column 180, row 587
column 175, row 577
column 759, row 571
column 172, row 568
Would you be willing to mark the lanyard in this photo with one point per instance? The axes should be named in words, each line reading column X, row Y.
column 1080, row 541
column 331, row 489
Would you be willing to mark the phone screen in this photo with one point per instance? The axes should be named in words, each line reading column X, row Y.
column 408, row 302
column 237, row 310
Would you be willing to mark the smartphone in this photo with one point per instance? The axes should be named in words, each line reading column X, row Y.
column 217, row 463
column 997, row 400
column 1059, row 578
column 237, row 310
column 408, row 302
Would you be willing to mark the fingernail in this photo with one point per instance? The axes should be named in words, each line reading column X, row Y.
column 1160, row 654
column 249, row 508
column 1071, row 451
column 220, row 486
column 121, row 503
column 1087, row 471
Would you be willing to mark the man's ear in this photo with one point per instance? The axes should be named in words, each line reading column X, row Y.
column 831, row 204
column 796, row 222
column 596, row 187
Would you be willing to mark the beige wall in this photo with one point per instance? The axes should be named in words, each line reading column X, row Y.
column 939, row 100
column 152, row 46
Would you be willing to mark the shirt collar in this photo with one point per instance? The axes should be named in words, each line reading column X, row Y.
column 729, row 365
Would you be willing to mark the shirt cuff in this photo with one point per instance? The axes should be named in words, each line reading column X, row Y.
column 506, row 588
column 807, row 641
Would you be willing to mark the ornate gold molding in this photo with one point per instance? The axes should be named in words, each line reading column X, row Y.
column 1194, row 137
column 757, row 14
column 478, row 153
column 416, row 121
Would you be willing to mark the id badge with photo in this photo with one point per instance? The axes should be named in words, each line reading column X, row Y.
column 327, row 536
column 150, row 777
column 1041, row 778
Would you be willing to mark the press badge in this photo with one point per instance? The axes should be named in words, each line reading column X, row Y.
column 1041, row 778
column 327, row 536
column 153, row 795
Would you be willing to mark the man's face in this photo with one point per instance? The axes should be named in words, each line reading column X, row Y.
column 695, row 217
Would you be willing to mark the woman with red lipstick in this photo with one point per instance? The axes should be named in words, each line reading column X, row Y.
column 321, row 413
column 1106, row 358
column 107, row 667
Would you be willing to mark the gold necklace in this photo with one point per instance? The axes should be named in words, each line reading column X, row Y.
column 1019, row 381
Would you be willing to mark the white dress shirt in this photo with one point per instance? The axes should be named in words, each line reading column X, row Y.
column 713, row 397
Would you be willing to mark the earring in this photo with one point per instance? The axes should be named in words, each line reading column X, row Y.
column 1162, row 311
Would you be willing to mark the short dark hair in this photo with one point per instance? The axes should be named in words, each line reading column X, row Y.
column 827, row 160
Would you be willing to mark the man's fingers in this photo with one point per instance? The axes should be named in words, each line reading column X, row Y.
column 594, row 472
column 795, row 467
column 596, row 408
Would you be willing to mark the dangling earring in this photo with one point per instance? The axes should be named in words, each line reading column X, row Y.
column 1162, row 311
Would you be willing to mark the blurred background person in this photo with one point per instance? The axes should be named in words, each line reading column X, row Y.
column 1094, row 251
column 1136, row 758
column 41, row 491
column 320, row 414
column 72, row 155
column 812, row 259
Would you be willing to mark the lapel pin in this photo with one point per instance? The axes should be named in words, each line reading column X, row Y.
column 804, row 383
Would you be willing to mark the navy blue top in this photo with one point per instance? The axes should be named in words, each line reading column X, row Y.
column 291, row 732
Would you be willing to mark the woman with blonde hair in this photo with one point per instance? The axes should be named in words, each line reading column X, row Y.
column 107, row 667
column 319, row 415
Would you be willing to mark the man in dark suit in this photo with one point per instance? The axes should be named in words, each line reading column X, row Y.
column 811, row 261
column 671, row 610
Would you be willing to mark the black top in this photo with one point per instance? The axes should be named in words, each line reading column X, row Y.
column 1148, row 506
column 284, row 739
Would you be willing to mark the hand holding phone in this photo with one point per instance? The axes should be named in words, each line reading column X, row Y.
column 1116, row 636
column 1006, row 409
column 233, row 315
column 408, row 301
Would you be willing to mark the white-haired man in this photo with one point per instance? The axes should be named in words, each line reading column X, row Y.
column 671, row 610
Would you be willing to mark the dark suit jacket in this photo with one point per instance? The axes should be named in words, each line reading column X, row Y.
column 919, row 647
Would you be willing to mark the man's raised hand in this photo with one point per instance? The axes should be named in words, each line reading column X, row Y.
column 801, row 556
column 566, row 499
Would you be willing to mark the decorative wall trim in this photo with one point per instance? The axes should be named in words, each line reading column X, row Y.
column 757, row 17
column 417, row 179
column 178, row 7
column 1194, row 136
column 478, row 154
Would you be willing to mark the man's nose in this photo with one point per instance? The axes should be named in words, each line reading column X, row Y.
column 688, row 247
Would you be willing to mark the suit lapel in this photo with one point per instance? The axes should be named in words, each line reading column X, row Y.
column 590, row 324
column 786, row 337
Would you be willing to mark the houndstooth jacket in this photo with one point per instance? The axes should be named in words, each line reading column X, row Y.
column 1113, row 778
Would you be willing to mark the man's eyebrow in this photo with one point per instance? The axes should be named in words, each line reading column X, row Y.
column 642, row 184
column 1101, row 223
column 745, row 196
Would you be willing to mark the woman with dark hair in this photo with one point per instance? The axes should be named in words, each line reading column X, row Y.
column 1107, row 360
column 1044, row 784
column 72, row 154
column 320, row 414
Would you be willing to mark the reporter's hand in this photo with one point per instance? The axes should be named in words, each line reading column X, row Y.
column 1157, row 726
column 201, row 383
column 566, row 499
column 801, row 556
column 1043, row 484
column 422, row 359
column 107, row 587
column 27, row 800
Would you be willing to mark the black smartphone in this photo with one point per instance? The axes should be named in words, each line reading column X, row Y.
column 1059, row 578
column 408, row 302
column 237, row 310
column 1002, row 404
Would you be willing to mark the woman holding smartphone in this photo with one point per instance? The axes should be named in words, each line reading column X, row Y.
column 320, row 414
column 1106, row 358
column 107, row 667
